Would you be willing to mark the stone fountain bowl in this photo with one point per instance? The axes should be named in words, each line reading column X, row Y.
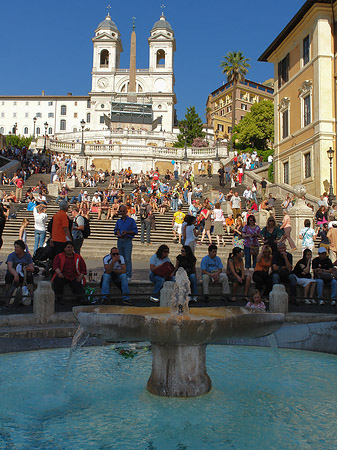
column 202, row 326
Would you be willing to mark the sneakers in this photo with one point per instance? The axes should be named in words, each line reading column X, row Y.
column 321, row 302
column 333, row 302
column 128, row 302
column 307, row 301
column 194, row 298
column 154, row 299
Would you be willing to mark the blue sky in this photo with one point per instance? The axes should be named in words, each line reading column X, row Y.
column 47, row 45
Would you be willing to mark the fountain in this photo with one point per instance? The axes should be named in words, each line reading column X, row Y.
column 179, row 336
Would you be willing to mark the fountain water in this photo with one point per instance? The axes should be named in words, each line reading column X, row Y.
column 178, row 336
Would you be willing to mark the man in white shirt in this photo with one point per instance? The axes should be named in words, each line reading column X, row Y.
column 247, row 195
column 235, row 203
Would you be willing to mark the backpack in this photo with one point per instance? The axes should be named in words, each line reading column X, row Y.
column 86, row 230
column 143, row 214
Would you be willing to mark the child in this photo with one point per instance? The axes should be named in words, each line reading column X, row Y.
column 23, row 232
column 256, row 302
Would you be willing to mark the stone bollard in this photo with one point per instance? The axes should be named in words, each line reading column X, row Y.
column 53, row 189
column 278, row 299
column 44, row 302
column 166, row 293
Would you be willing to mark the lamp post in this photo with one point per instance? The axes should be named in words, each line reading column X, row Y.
column 185, row 154
column 10, row 139
column 45, row 137
column 332, row 196
column 216, row 145
column 15, row 128
column 34, row 120
column 82, row 144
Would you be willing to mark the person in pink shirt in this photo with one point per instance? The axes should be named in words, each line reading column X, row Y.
column 256, row 302
column 286, row 227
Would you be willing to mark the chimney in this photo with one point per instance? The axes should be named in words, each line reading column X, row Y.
column 43, row 93
column 69, row 94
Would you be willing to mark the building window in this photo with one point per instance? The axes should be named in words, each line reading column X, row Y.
column 286, row 173
column 27, row 103
column 50, row 114
column 244, row 107
column 63, row 110
column 75, row 115
column 50, row 103
column 14, row 114
column 50, row 130
column 25, row 130
column 38, row 115
column 26, row 115
column 88, row 104
column 75, row 103
column 285, row 124
column 38, row 103
column 306, row 50
column 63, row 125
column 307, row 165
column 38, row 131
column 230, row 130
column 2, row 114
column 283, row 71
column 104, row 59
column 2, row 130
column 2, row 103
column 101, row 119
column 88, row 117
column 220, row 127
column 306, row 110
column 229, row 108
column 14, row 103
column 160, row 58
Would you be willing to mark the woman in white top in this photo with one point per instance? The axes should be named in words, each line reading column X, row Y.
column 40, row 218
column 218, row 224
column 190, row 232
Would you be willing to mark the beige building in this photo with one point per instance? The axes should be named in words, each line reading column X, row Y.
column 305, row 96
column 219, row 106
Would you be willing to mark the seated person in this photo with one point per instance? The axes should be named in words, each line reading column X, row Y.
column 323, row 268
column 230, row 224
column 157, row 275
column 282, row 264
column 236, row 272
column 261, row 275
column 187, row 261
column 211, row 269
column 19, row 264
column 301, row 276
column 105, row 207
column 115, row 271
column 69, row 268
column 114, row 209
column 256, row 302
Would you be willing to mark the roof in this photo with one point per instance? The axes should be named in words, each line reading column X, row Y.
column 162, row 23
column 253, row 84
column 108, row 23
column 291, row 25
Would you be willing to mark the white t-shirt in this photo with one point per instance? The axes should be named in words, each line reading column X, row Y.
column 40, row 220
column 218, row 215
column 118, row 265
column 190, row 237
column 235, row 201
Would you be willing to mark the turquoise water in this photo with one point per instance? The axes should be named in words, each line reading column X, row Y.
column 103, row 403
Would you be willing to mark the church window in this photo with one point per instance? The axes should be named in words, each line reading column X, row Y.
column 88, row 104
column 14, row 114
column 38, row 131
column 63, row 110
column 50, row 130
column 2, row 130
column 102, row 105
column 104, row 60
column 75, row 103
column 25, row 130
column 159, row 107
column 50, row 103
column 160, row 58
column 74, row 129
column 101, row 119
column 88, row 117
column 63, row 124
column 27, row 103
column 26, row 114
column 307, row 165
column 50, row 114
column 38, row 115
column 14, row 103
column 75, row 115
column 2, row 114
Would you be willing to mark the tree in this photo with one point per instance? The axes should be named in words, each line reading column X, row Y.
column 235, row 66
column 257, row 126
column 18, row 141
column 191, row 127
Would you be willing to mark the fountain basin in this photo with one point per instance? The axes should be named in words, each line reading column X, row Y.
column 178, row 341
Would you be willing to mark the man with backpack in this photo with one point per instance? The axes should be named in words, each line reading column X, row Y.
column 145, row 212
column 79, row 230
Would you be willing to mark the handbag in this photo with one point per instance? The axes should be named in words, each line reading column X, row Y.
column 164, row 270
column 254, row 250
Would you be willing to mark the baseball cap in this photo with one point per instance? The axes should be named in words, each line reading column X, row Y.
column 322, row 250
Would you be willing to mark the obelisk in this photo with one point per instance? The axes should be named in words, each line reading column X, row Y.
column 132, row 96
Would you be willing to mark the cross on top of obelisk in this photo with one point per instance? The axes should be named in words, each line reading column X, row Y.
column 108, row 8
column 133, row 23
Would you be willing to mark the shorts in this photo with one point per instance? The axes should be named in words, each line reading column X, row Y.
column 177, row 227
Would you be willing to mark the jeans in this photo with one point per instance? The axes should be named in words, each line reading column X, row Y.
column 158, row 284
column 116, row 278
column 40, row 237
column 320, row 285
column 185, row 195
column 194, row 285
column 248, row 258
column 145, row 225
column 176, row 175
column 125, row 249
column 175, row 204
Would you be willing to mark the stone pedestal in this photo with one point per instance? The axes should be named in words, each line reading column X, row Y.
column 44, row 302
column 166, row 293
column 81, row 161
column 278, row 299
column 298, row 213
column 179, row 371
column 53, row 189
column 72, row 183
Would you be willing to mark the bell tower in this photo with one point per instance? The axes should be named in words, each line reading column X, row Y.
column 162, row 47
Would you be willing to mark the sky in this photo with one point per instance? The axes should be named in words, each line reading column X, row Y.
column 47, row 45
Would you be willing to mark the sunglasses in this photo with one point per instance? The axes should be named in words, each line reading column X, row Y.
column 114, row 254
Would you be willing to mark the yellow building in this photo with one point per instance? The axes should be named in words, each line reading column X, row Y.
column 305, row 96
column 219, row 104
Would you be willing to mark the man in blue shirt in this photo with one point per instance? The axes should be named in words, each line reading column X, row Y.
column 211, row 269
column 125, row 230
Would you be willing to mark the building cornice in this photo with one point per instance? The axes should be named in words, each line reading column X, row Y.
column 44, row 97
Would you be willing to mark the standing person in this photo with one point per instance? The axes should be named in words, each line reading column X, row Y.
column 205, row 216
column 209, row 169
column 308, row 236
column 200, row 168
column 115, row 271
column 227, row 174
column 263, row 185
column 125, row 230
column 190, row 232
column 77, row 229
column 18, row 191
column 221, row 173
column 271, row 233
column 176, row 171
column 187, row 261
column 254, row 190
column 235, row 203
column 60, row 233
column 212, row 270
column 248, row 196
column 177, row 222
column 3, row 219
column 286, row 227
column 40, row 220
column 145, row 212
column 219, row 224
column 237, row 234
column 23, row 232
column 69, row 268
column 250, row 234
column 161, row 270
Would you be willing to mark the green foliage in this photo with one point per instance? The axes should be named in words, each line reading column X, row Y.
column 257, row 126
column 193, row 125
column 18, row 141
column 235, row 66
column 271, row 173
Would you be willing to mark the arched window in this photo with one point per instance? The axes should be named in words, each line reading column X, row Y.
column 63, row 110
column 63, row 125
column 50, row 130
column 104, row 59
column 74, row 130
column 25, row 130
column 38, row 131
column 160, row 58
column 2, row 130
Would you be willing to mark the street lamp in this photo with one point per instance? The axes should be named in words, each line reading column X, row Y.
column 185, row 155
column 15, row 128
column 216, row 145
column 82, row 144
column 34, row 120
column 332, row 196
column 45, row 137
